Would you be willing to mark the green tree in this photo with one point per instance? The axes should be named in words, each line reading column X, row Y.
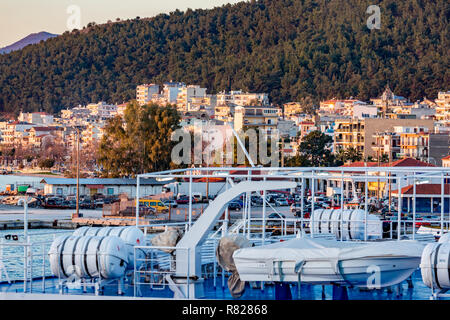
column 287, row 48
column 46, row 163
column 349, row 155
column 138, row 143
column 314, row 150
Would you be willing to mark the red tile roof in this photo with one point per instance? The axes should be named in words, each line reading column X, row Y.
column 44, row 128
column 359, row 164
column 408, row 162
column 429, row 188
column 446, row 158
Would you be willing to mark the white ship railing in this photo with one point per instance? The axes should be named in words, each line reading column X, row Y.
column 158, row 270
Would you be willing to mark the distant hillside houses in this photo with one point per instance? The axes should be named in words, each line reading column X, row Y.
column 389, row 126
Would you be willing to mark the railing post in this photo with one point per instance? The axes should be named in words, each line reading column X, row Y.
column 366, row 194
column 302, row 204
column 399, row 218
column 264, row 216
column 190, row 199
column 137, row 200
column 134, row 272
column 43, row 268
column 442, row 204
column 340, row 229
column 188, row 272
column 414, row 206
column 313, row 198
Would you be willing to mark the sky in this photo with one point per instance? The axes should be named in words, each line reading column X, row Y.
column 19, row 18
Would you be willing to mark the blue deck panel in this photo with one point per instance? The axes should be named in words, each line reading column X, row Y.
column 308, row 292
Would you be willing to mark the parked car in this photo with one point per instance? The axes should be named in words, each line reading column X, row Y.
column 183, row 200
column 171, row 203
column 87, row 204
column 281, row 202
column 257, row 201
column 111, row 199
column 234, row 206
column 290, row 200
column 99, row 203
column 296, row 207
column 276, row 215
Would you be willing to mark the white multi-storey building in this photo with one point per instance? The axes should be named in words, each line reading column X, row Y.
column 242, row 98
column 190, row 94
column 40, row 118
column 145, row 93
column 102, row 110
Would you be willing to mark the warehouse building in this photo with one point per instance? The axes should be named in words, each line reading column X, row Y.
column 107, row 187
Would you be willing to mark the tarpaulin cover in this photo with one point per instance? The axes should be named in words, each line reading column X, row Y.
column 227, row 246
column 168, row 238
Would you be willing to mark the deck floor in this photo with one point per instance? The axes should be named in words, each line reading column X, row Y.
column 307, row 292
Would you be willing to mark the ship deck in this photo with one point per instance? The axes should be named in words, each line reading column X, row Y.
column 418, row 291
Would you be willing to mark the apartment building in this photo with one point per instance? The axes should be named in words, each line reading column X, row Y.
column 102, row 110
column 38, row 136
column 291, row 109
column 92, row 132
column 77, row 112
column 145, row 93
column 414, row 142
column 306, row 127
column 349, row 133
column 242, row 98
column 362, row 134
column 446, row 162
column 171, row 91
column 40, row 118
column 263, row 118
column 188, row 95
column 386, row 143
column 14, row 132
column 443, row 106
column 224, row 112
column 338, row 106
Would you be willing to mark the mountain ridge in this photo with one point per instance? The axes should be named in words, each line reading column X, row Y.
column 287, row 48
column 32, row 38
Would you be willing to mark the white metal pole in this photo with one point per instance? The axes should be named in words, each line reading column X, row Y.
column 399, row 218
column 414, row 206
column 313, row 191
column 249, row 205
column 25, row 248
column 137, row 200
column 365, row 206
column 225, row 223
column 342, row 206
column 190, row 199
column 303, row 200
column 264, row 216
column 25, row 217
column 442, row 204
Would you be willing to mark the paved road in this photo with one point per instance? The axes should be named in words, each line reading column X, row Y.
column 14, row 213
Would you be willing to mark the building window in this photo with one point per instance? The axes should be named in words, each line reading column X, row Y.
column 59, row 191
column 110, row 191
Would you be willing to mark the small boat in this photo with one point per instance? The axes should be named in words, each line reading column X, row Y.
column 322, row 261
